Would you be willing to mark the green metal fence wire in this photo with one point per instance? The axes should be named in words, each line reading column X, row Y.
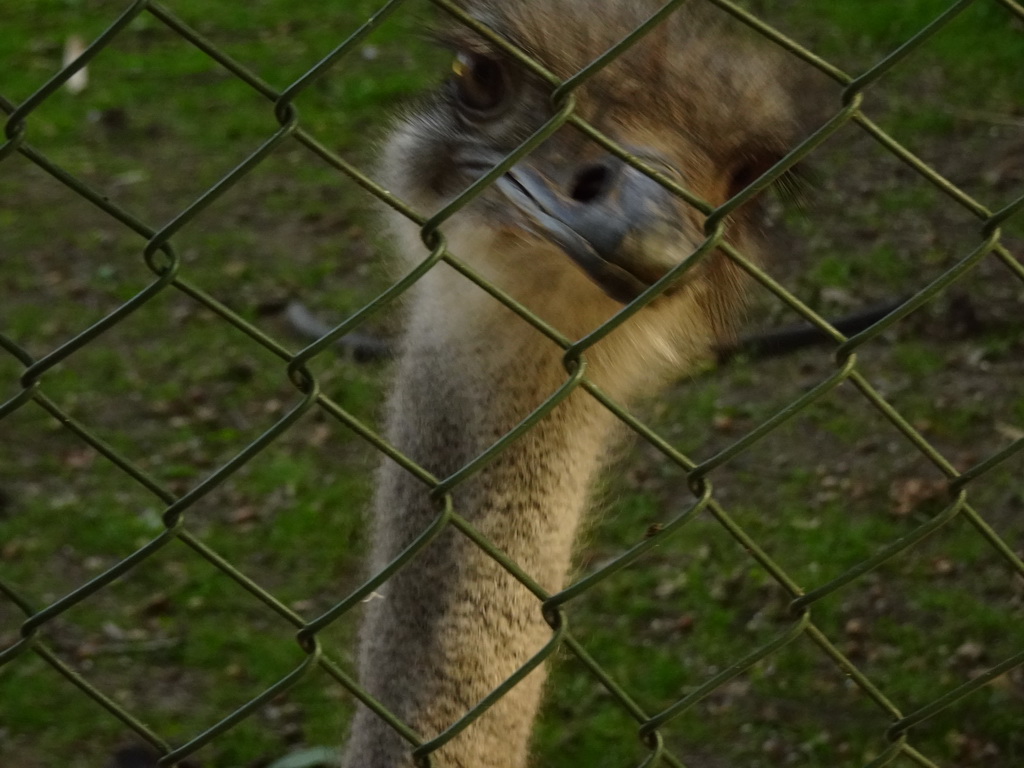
column 165, row 264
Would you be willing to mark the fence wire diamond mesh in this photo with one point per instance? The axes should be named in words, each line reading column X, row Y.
column 46, row 613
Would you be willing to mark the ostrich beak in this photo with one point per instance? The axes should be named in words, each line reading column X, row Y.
column 616, row 223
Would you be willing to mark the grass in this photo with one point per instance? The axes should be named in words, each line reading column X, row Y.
column 179, row 392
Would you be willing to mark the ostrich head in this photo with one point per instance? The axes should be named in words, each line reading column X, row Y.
column 572, row 231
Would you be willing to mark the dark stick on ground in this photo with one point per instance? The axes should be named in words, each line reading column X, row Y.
column 790, row 338
column 363, row 347
column 366, row 348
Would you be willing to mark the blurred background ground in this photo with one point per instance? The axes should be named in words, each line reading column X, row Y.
column 180, row 392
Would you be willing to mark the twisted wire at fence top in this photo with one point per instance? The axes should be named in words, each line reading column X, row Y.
column 160, row 256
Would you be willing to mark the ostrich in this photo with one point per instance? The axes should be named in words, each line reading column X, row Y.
column 572, row 233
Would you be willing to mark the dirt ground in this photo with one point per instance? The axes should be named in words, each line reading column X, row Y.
column 870, row 231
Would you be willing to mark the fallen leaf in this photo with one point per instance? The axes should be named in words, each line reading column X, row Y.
column 908, row 493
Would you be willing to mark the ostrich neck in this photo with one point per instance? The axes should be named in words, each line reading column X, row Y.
column 453, row 624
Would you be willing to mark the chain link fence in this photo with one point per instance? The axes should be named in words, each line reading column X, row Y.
column 170, row 274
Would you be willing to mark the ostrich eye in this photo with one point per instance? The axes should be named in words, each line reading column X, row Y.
column 480, row 83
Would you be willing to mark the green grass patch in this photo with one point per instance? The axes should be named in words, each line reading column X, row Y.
column 180, row 392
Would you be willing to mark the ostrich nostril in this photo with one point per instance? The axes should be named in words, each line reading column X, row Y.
column 592, row 183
